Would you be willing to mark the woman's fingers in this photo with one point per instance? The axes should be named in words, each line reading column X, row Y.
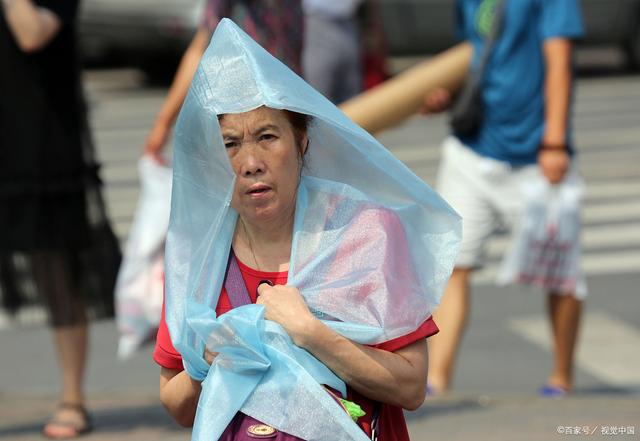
column 209, row 356
column 285, row 305
column 263, row 282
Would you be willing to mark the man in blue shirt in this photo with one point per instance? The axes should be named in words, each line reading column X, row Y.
column 525, row 131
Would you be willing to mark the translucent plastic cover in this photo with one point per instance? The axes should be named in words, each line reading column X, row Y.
column 373, row 247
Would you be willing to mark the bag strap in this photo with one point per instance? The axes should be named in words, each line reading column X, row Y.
column 375, row 420
column 469, row 97
column 234, row 284
column 496, row 26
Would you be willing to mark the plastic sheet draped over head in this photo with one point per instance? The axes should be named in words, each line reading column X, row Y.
column 372, row 248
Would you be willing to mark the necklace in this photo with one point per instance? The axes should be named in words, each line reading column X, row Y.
column 246, row 233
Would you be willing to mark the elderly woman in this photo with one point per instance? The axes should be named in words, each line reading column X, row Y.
column 281, row 201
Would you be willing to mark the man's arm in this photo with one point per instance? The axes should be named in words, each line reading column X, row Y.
column 553, row 157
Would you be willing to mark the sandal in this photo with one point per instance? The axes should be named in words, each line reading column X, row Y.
column 68, row 428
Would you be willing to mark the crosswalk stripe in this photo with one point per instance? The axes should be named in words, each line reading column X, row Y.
column 606, row 138
column 610, row 262
column 608, row 347
column 593, row 238
column 601, row 189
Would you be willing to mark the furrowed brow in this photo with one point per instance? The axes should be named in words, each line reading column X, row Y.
column 231, row 135
column 266, row 128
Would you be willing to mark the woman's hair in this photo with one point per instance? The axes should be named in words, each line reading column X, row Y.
column 300, row 123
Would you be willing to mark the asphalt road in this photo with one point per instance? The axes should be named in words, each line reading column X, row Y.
column 505, row 355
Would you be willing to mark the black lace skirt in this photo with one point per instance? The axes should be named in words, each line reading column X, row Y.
column 56, row 246
column 58, row 255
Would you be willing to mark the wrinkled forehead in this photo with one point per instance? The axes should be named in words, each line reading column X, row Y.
column 254, row 118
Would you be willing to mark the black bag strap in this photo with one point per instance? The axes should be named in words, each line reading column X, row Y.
column 375, row 420
column 466, row 112
column 492, row 36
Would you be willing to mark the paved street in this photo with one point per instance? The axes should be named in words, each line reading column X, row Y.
column 505, row 356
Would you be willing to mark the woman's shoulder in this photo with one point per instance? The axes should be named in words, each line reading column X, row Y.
column 345, row 204
column 378, row 215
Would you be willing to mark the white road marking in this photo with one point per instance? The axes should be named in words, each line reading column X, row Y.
column 608, row 348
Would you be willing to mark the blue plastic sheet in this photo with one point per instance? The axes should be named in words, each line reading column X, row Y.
column 373, row 247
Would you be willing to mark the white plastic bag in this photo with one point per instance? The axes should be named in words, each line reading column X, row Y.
column 140, row 281
column 545, row 247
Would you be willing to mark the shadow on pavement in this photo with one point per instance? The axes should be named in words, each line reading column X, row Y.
column 109, row 420
column 629, row 391
column 438, row 407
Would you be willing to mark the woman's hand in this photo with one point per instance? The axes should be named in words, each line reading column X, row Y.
column 210, row 356
column 285, row 305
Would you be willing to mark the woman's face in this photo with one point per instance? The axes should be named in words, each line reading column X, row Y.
column 262, row 149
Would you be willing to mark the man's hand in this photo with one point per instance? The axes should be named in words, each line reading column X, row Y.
column 554, row 164
column 285, row 305
column 436, row 101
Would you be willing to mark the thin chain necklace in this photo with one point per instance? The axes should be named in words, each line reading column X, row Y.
column 246, row 233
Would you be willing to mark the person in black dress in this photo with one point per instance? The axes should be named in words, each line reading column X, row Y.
column 56, row 245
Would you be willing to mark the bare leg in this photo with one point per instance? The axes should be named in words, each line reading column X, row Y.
column 68, row 318
column 451, row 318
column 71, row 348
column 71, row 345
column 564, row 313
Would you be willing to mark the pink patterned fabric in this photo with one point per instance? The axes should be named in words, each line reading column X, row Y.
column 277, row 25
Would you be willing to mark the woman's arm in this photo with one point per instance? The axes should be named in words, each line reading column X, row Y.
column 398, row 378
column 179, row 394
column 159, row 134
column 32, row 27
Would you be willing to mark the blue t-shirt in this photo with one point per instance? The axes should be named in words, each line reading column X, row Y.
column 513, row 83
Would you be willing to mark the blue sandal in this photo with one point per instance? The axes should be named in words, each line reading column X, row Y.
column 551, row 391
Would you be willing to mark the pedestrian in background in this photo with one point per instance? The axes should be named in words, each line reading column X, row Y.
column 373, row 45
column 276, row 24
column 525, row 91
column 332, row 61
column 54, row 234
column 344, row 47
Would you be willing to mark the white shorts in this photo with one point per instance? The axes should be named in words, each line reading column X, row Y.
column 484, row 191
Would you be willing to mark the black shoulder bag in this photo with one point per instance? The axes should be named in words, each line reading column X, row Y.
column 467, row 111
